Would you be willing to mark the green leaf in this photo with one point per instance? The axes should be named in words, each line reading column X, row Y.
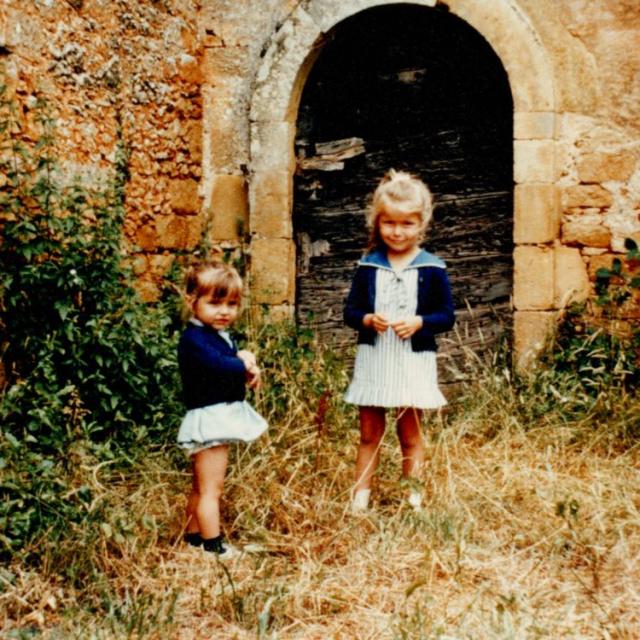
column 616, row 266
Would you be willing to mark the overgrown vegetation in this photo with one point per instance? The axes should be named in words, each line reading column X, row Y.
column 531, row 526
column 89, row 368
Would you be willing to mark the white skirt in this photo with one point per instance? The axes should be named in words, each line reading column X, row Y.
column 391, row 374
column 219, row 424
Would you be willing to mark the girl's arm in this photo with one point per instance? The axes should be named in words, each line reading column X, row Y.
column 441, row 315
column 204, row 353
column 355, row 307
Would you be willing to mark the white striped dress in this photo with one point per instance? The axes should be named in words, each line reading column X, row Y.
column 389, row 373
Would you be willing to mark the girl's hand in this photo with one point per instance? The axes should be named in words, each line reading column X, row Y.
column 406, row 327
column 376, row 321
column 248, row 359
column 253, row 377
column 250, row 364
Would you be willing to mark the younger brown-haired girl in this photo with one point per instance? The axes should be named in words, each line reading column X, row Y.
column 214, row 375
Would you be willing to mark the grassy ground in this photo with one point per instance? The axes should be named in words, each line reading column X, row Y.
column 531, row 529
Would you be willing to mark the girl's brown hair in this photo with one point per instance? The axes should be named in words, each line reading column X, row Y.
column 214, row 279
column 400, row 191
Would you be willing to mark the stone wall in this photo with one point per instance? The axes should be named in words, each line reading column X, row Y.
column 128, row 68
column 200, row 87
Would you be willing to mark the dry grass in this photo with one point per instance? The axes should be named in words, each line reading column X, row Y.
column 529, row 531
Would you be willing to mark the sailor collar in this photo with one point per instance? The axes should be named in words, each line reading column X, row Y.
column 378, row 259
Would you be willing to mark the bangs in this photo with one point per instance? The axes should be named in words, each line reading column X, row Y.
column 230, row 290
column 220, row 282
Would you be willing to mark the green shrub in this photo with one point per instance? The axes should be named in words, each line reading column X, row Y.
column 87, row 364
column 595, row 342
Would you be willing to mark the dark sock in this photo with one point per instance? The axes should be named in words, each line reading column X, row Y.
column 213, row 544
column 194, row 539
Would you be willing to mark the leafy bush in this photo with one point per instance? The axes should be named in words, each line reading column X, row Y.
column 85, row 360
column 595, row 341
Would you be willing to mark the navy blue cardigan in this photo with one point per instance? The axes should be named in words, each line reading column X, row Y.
column 210, row 369
column 435, row 303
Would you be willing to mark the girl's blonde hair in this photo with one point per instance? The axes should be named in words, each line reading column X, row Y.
column 214, row 279
column 400, row 191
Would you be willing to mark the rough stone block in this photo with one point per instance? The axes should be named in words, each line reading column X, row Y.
column 532, row 332
column 272, row 146
column 189, row 69
column 622, row 224
column 534, row 161
column 272, row 313
column 602, row 167
column 229, row 207
column 536, row 215
column 536, row 125
column 273, row 271
column 586, row 230
column 603, row 261
column 225, row 128
column 192, row 133
column 586, row 195
column 140, row 264
column 146, row 237
column 571, row 277
column 225, row 62
column 146, row 289
column 533, row 278
column 270, row 197
column 183, row 196
column 178, row 232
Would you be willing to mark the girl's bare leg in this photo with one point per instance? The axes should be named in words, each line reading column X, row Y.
column 210, row 467
column 192, row 502
column 371, row 432
column 410, row 437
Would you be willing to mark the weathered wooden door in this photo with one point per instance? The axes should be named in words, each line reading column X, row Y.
column 411, row 88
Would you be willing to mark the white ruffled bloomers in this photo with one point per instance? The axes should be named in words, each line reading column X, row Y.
column 219, row 424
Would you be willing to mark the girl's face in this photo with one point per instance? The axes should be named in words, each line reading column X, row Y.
column 401, row 232
column 216, row 313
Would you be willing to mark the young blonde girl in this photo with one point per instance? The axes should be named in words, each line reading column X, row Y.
column 214, row 375
column 399, row 300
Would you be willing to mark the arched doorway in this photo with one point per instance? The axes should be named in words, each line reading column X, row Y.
column 413, row 88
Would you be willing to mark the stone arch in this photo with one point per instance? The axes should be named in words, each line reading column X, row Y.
column 277, row 90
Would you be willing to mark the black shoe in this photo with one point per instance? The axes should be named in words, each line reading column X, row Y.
column 194, row 539
column 221, row 547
